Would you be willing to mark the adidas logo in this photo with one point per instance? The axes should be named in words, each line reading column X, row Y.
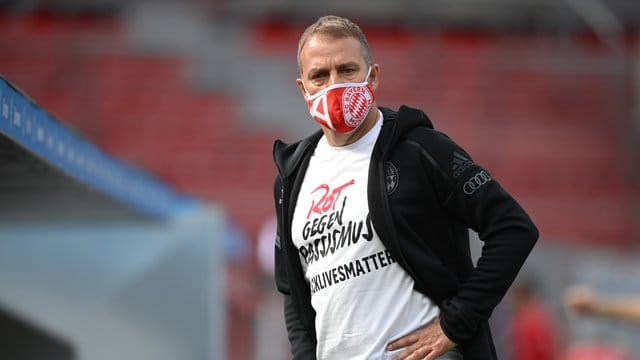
column 460, row 164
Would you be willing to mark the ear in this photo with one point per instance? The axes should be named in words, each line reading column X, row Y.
column 301, row 87
column 374, row 76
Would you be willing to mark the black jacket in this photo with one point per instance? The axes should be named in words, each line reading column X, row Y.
column 424, row 193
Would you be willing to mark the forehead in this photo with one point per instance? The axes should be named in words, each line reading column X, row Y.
column 323, row 50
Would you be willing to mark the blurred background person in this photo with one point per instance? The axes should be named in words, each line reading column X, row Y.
column 533, row 331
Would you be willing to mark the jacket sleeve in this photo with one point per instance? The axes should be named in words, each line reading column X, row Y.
column 477, row 200
column 303, row 346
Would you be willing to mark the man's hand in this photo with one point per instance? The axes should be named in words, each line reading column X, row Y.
column 425, row 343
column 581, row 299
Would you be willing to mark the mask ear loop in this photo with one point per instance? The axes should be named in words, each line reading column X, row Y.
column 366, row 78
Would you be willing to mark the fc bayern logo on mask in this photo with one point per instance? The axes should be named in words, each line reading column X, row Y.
column 356, row 102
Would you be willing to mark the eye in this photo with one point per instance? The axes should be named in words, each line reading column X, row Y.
column 317, row 76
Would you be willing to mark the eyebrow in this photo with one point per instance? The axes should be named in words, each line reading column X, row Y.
column 348, row 65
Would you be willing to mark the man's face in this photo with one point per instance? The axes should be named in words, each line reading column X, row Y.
column 328, row 60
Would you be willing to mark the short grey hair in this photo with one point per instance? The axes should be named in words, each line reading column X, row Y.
column 338, row 27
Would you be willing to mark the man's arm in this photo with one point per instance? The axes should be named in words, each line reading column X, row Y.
column 472, row 196
column 303, row 346
column 584, row 300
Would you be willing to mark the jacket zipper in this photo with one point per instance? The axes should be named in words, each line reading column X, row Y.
column 378, row 160
column 290, row 252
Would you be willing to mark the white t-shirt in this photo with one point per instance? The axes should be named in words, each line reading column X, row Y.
column 363, row 299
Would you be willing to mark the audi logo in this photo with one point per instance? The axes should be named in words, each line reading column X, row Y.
column 476, row 182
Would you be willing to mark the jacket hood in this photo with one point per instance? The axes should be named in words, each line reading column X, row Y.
column 287, row 156
column 397, row 123
column 394, row 126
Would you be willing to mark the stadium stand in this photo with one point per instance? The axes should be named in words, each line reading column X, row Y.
column 204, row 119
column 559, row 155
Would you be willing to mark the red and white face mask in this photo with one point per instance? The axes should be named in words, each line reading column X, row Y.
column 342, row 107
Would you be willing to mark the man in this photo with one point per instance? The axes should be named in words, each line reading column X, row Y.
column 372, row 253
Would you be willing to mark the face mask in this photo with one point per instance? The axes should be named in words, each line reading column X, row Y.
column 342, row 107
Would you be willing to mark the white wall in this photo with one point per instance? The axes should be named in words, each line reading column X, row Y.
column 121, row 289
